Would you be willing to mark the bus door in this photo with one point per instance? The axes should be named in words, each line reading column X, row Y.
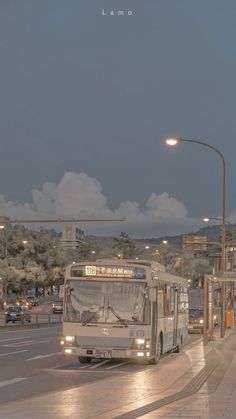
column 175, row 307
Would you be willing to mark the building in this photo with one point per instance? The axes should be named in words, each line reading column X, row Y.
column 72, row 236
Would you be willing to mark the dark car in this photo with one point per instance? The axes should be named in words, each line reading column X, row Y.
column 57, row 307
column 17, row 314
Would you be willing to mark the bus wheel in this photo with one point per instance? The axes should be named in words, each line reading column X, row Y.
column 159, row 350
column 84, row 359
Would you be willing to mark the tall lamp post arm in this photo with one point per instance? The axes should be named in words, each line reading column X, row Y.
column 173, row 142
column 222, row 196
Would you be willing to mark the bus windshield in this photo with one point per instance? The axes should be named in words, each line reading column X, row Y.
column 106, row 302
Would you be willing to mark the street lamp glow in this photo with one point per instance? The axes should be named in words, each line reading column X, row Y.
column 147, row 247
column 24, row 241
column 172, row 141
column 164, row 241
column 206, row 219
column 2, row 227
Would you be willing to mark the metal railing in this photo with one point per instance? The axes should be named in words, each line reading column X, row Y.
column 36, row 319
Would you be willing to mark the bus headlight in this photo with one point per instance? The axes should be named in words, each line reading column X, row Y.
column 69, row 341
column 69, row 338
column 142, row 343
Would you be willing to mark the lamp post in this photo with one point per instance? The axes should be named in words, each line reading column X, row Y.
column 173, row 142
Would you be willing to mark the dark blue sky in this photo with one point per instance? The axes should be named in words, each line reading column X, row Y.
column 82, row 92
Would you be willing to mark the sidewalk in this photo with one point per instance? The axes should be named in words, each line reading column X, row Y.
column 199, row 383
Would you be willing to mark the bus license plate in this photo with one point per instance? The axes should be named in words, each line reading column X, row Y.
column 103, row 354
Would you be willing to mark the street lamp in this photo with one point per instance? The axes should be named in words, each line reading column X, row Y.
column 173, row 142
column 207, row 219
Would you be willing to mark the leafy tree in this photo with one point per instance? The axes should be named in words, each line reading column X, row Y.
column 125, row 246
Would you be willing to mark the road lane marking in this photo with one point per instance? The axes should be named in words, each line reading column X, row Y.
column 16, row 352
column 7, row 340
column 24, row 343
column 99, row 364
column 13, row 381
column 117, row 365
column 18, row 344
column 44, row 356
column 31, row 330
column 39, row 341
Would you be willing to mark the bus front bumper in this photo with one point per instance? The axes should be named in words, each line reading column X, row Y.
column 106, row 353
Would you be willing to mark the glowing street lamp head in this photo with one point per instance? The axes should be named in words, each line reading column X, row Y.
column 206, row 219
column 172, row 141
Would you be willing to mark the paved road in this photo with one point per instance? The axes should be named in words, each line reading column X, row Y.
column 31, row 364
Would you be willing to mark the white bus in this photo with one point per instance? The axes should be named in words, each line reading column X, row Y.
column 123, row 309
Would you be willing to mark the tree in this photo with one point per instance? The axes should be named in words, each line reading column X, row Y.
column 125, row 246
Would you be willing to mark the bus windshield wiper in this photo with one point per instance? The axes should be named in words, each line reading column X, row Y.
column 123, row 321
column 93, row 315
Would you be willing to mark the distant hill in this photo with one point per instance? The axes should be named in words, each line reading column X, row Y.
column 211, row 232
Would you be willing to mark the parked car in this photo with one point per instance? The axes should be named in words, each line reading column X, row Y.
column 17, row 313
column 196, row 320
column 57, row 307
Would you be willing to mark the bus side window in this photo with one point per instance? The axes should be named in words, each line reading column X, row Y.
column 183, row 300
column 160, row 300
column 166, row 300
column 172, row 299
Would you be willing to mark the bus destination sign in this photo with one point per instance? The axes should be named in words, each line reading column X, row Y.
column 108, row 272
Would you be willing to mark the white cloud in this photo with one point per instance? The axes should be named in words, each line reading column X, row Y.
column 76, row 194
column 79, row 196
column 165, row 206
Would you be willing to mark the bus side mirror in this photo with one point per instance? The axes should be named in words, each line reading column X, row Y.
column 152, row 295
